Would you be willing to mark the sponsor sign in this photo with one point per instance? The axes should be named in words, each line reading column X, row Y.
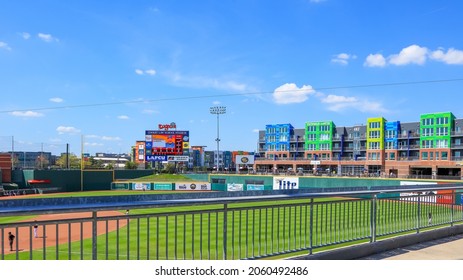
column 192, row 186
column 141, row 186
column 178, row 158
column 245, row 159
column 234, row 187
column 156, row 158
column 285, row 183
column 162, row 187
column 429, row 196
column 172, row 125
column 315, row 162
column 252, row 187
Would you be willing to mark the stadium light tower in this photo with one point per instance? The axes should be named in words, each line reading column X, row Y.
column 218, row 110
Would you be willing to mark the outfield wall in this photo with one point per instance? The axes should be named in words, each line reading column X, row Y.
column 92, row 180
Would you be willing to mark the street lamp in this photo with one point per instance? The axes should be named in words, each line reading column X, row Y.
column 218, row 110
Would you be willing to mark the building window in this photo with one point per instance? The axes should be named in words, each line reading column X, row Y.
column 442, row 120
column 392, row 156
column 373, row 145
column 324, row 137
column 312, row 137
column 311, row 147
column 424, row 155
column 375, row 125
column 391, row 134
column 283, row 138
column 312, row 128
column 391, row 145
column 324, row 147
column 324, row 128
column 444, row 155
column 442, row 131
column 428, row 132
column 427, row 121
column 443, row 143
column 374, row 134
column 283, row 148
column 427, row 144
column 271, row 130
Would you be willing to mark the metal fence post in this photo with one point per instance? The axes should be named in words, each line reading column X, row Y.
column 373, row 218
column 418, row 220
column 311, row 227
column 225, row 214
column 94, row 235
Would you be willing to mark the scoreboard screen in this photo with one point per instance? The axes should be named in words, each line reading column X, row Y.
column 163, row 143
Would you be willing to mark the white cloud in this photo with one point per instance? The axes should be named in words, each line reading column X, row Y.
column 375, row 60
column 255, row 130
column 25, row 35
column 67, row 130
column 123, row 117
column 93, row 144
column 331, row 98
column 110, row 138
column 290, row 93
column 47, row 37
column 411, row 54
column 343, row 58
column 338, row 103
column 150, row 111
column 4, row 46
column 150, row 72
column 26, row 114
column 56, row 99
column 452, row 56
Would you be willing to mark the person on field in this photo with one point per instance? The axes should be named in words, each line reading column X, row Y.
column 429, row 218
column 36, row 229
column 11, row 240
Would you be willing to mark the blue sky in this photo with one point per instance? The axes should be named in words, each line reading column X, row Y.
column 106, row 71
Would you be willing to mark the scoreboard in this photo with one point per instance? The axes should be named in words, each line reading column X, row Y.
column 164, row 143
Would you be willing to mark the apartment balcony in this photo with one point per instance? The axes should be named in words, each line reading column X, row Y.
column 412, row 135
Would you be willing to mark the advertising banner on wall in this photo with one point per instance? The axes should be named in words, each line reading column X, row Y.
column 193, row 186
column 234, row 187
column 162, row 187
column 178, row 158
column 253, row 187
column 245, row 159
column 285, row 183
column 141, row 186
column 425, row 196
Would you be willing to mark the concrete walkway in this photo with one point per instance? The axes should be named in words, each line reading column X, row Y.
column 449, row 248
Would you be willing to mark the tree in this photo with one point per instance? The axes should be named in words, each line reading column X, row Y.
column 41, row 162
column 169, row 168
column 131, row 165
column 74, row 161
